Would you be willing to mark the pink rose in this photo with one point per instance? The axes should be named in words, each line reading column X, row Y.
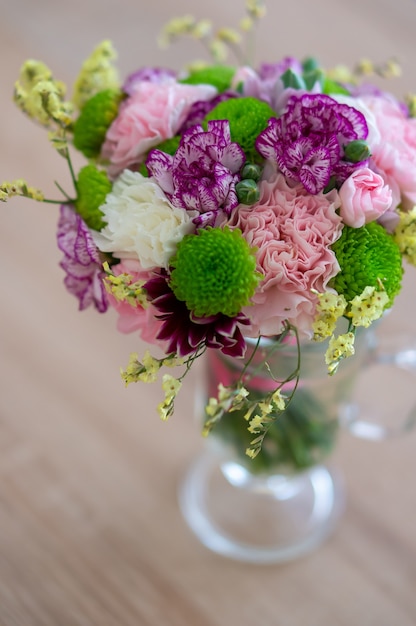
column 293, row 232
column 364, row 197
column 132, row 318
column 154, row 112
column 395, row 154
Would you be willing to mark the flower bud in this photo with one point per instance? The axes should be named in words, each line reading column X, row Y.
column 310, row 64
column 247, row 191
column 313, row 77
column 251, row 171
column 357, row 150
column 293, row 80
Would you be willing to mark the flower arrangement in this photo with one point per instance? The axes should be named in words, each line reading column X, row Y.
column 225, row 202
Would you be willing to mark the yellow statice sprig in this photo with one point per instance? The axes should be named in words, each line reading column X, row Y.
column 185, row 26
column 225, row 39
column 147, row 371
column 98, row 73
column 148, row 368
column 41, row 97
column 256, row 10
column 262, row 415
column 58, row 138
column 218, row 43
column 124, row 288
column 19, row 187
column 228, row 399
column 259, row 413
column 362, row 310
column 405, row 235
column 339, row 348
column 171, row 387
column 368, row 306
column 387, row 70
column 341, row 74
column 330, row 307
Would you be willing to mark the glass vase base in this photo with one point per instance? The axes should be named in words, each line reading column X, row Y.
column 260, row 519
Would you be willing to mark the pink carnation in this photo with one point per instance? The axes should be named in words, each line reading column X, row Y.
column 132, row 318
column 395, row 154
column 154, row 112
column 364, row 197
column 292, row 231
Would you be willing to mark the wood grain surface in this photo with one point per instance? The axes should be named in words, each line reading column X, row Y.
column 90, row 530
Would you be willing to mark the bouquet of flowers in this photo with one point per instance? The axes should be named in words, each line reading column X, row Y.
column 226, row 202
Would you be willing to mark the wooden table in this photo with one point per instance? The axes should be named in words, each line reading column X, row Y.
column 90, row 531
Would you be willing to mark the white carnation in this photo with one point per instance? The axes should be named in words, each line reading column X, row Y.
column 141, row 222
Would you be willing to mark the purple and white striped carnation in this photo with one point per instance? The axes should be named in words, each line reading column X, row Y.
column 81, row 262
column 203, row 172
column 308, row 140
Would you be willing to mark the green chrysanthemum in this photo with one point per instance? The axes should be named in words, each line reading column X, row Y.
column 94, row 120
column 214, row 271
column 220, row 76
column 367, row 256
column 248, row 117
column 93, row 186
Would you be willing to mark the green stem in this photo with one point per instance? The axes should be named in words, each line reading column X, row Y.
column 47, row 201
column 63, row 192
column 71, row 169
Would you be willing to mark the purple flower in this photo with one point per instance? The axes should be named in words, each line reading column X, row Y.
column 81, row 261
column 272, row 71
column 147, row 74
column 308, row 140
column 200, row 109
column 185, row 333
column 266, row 83
column 202, row 174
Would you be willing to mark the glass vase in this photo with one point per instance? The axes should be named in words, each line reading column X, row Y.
column 287, row 500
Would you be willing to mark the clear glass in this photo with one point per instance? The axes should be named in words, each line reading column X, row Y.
column 285, row 502
column 260, row 519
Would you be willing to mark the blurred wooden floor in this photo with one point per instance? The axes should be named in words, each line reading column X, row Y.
column 90, row 531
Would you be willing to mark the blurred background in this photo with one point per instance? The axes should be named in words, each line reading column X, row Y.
column 90, row 531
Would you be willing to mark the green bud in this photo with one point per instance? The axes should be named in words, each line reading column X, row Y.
column 251, row 171
column 310, row 65
column 291, row 79
column 313, row 77
column 357, row 150
column 247, row 191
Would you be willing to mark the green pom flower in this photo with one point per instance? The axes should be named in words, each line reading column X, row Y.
column 367, row 256
column 94, row 120
column 248, row 117
column 214, row 271
column 220, row 76
column 93, row 186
